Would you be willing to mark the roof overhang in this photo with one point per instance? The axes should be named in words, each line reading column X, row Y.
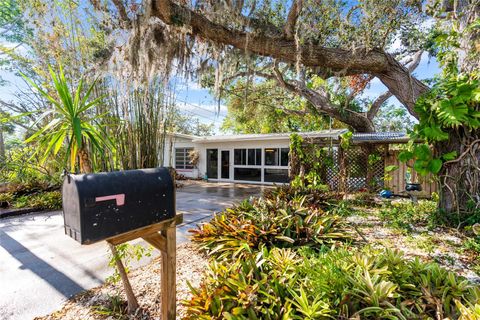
column 327, row 134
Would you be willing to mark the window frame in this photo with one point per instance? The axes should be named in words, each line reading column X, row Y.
column 183, row 163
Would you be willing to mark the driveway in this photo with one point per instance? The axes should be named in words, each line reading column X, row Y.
column 40, row 267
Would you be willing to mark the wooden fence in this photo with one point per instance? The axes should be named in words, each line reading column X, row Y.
column 397, row 182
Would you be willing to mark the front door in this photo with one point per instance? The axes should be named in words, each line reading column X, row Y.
column 225, row 161
column 212, row 163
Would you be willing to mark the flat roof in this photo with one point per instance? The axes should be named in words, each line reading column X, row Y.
column 381, row 137
column 334, row 134
column 375, row 137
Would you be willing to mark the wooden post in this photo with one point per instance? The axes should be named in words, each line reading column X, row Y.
column 169, row 283
column 131, row 299
column 342, row 171
column 162, row 236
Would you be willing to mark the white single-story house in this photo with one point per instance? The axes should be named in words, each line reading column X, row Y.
column 247, row 158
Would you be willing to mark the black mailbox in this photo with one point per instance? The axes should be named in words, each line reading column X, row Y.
column 99, row 206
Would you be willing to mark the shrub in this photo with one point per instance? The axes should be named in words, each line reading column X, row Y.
column 43, row 201
column 6, row 199
column 318, row 198
column 279, row 220
column 340, row 284
column 256, row 287
column 403, row 214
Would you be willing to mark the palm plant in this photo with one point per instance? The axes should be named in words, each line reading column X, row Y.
column 69, row 122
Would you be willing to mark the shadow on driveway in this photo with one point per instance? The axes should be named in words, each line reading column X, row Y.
column 57, row 279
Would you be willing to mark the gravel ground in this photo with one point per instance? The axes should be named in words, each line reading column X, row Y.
column 98, row 303
column 441, row 245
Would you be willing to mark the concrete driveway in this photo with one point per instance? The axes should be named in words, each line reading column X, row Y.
column 40, row 267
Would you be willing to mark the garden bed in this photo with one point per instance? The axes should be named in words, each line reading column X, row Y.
column 340, row 245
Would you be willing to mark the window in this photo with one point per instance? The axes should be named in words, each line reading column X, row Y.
column 276, row 157
column 240, row 157
column 284, row 157
column 255, row 157
column 271, row 156
column 247, row 174
column 275, row 175
column 182, row 160
column 251, row 157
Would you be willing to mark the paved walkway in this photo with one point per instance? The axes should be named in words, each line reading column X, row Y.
column 40, row 267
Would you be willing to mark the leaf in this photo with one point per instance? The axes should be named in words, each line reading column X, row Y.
column 404, row 156
column 391, row 168
column 435, row 133
column 420, row 166
column 285, row 238
column 452, row 114
column 77, row 130
column 450, row 156
column 422, row 152
column 435, row 165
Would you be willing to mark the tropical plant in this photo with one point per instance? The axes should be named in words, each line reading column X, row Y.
column 339, row 284
column 406, row 214
column 42, row 201
column 273, row 221
column 69, row 122
column 449, row 123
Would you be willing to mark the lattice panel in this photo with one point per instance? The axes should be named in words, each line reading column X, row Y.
column 332, row 172
column 365, row 168
column 378, row 169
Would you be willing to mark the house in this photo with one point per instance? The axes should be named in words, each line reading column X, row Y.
column 251, row 158
column 264, row 159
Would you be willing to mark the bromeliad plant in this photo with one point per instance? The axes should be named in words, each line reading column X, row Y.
column 337, row 284
column 69, row 122
column 279, row 221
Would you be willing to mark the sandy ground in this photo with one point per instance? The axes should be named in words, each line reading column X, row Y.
column 97, row 303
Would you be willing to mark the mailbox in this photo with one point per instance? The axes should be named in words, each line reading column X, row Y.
column 100, row 206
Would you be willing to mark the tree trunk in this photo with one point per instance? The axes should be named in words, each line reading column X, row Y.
column 84, row 161
column 459, row 178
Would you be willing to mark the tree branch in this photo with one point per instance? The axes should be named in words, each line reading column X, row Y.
column 285, row 50
column 347, row 62
column 124, row 19
column 292, row 19
column 322, row 104
column 372, row 112
column 414, row 62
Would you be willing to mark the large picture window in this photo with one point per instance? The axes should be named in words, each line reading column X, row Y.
column 251, row 157
column 276, row 157
column 182, row 159
column 247, row 174
column 276, row 175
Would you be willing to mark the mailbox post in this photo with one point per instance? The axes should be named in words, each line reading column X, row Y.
column 122, row 206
